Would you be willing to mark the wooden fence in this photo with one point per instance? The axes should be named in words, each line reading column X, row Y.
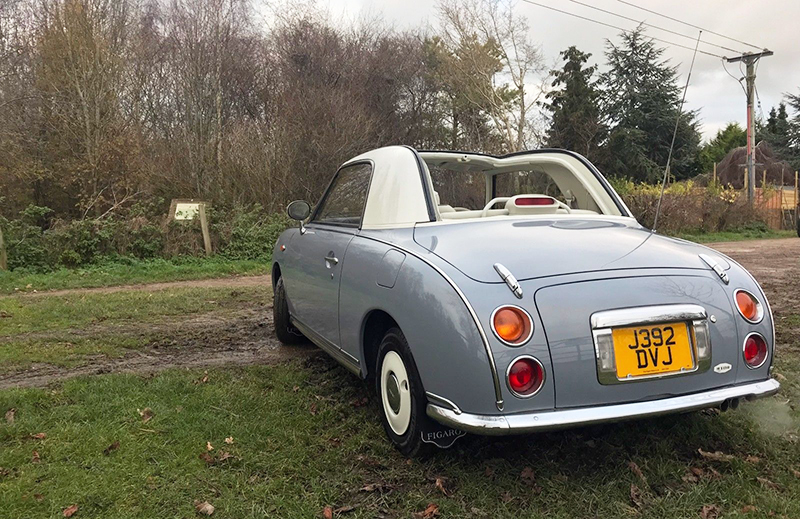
column 779, row 203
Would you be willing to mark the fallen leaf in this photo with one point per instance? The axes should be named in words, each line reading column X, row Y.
column 489, row 472
column 209, row 447
column 70, row 510
column 229, row 440
column 114, row 446
column 146, row 414
column 39, row 436
column 36, row 458
column 224, row 456
column 432, row 510
column 360, row 402
column 689, row 477
column 749, row 508
column 527, row 476
column 204, row 378
column 371, row 487
column 779, row 376
column 38, row 497
column 204, row 508
column 636, row 470
column 440, row 486
column 207, row 458
column 10, row 415
column 507, row 497
column 752, row 459
column 716, row 456
column 590, row 443
column 769, row 484
column 327, row 512
column 344, row 509
column 313, row 409
column 796, row 473
column 636, row 496
column 710, row 512
column 296, row 389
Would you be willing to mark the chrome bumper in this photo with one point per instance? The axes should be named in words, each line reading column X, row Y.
column 546, row 420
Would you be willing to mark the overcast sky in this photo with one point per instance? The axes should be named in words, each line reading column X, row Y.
column 772, row 24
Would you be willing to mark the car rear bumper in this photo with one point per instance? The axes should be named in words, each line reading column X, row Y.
column 561, row 419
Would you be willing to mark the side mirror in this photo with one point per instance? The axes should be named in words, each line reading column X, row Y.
column 299, row 210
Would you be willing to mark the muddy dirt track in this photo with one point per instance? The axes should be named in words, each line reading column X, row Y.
column 245, row 337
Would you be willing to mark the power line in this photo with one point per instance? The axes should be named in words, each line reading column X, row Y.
column 689, row 24
column 627, row 31
column 646, row 24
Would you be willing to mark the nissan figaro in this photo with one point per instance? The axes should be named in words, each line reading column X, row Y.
column 512, row 294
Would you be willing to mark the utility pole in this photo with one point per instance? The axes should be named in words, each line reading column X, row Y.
column 750, row 60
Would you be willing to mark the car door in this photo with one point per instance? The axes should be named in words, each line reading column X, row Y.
column 321, row 251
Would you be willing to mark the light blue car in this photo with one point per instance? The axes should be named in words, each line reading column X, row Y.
column 514, row 294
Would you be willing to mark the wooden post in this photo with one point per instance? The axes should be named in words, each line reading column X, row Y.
column 714, row 178
column 201, row 209
column 764, row 179
column 3, row 257
column 745, row 179
column 795, row 186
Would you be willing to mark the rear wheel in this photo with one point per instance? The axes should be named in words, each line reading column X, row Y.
column 284, row 330
column 401, row 397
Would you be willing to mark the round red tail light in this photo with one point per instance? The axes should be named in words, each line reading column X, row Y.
column 525, row 376
column 755, row 350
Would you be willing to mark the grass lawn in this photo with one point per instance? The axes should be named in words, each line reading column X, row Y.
column 712, row 237
column 303, row 440
column 128, row 272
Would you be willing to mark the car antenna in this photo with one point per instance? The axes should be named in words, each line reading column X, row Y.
column 675, row 134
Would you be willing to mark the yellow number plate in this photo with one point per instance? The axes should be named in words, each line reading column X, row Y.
column 652, row 350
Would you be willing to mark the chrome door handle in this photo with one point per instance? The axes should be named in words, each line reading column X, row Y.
column 332, row 259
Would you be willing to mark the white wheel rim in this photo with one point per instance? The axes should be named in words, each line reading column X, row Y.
column 398, row 416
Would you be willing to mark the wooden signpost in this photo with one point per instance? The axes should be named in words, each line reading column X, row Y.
column 190, row 209
column 3, row 257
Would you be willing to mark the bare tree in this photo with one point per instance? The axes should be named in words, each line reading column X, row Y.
column 477, row 31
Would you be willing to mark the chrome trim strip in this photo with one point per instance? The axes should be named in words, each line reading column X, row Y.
column 745, row 343
column 508, row 383
column 509, row 279
column 449, row 403
column 338, row 354
column 495, row 377
column 716, row 267
column 512, row 344
column 564, row 418
column 759, row 306
column 648, row 315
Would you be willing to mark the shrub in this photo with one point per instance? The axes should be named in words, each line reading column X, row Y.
column 36, row 242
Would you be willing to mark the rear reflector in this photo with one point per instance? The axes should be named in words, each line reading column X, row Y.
column 535, row 200
column 755, row 351
column 525, row 376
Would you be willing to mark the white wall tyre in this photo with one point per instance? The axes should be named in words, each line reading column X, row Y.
column 395, row 393
column 401, row 397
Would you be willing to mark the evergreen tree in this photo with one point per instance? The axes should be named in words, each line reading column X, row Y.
column 640, row 104
column 777, row 132
column 574, row 104
column 731, row 137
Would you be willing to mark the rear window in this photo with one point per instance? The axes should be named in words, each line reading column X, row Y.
column 344, row 202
